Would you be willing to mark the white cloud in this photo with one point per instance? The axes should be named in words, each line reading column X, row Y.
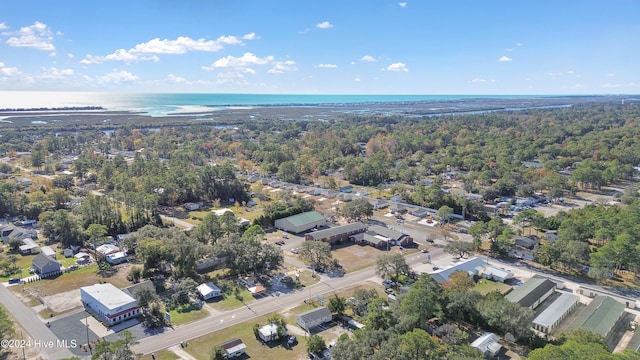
column 396, row 67
column 611, row 75
column 324, row 25
column 146, row 51
column 8, row 71
column 180, row 80
column 504, row 59
column 281, row 66
column 54, row 73
column 70, row 55
column 250, row 36
column 183, row 44
column 481, row 81
column 356, row 79
column 241, row 63
column 3, row 26
column 368, row 58
column 36, row 36
column 518, row 44
column 402, row 4
column 327, row 66
column 570, row 72
column 611, row 86
column 116, row 77
column 303, row 31
column 508, row 49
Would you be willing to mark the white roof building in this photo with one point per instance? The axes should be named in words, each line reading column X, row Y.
column 555, row 313
column 487, row 344
column 108, row 303
column 208, row 290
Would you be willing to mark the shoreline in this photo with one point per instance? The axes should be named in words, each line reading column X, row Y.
column 57, row 118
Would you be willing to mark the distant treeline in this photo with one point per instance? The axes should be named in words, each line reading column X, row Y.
column 75, row 108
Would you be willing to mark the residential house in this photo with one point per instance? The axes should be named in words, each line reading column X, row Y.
column 312, row 318
column 233, row 348
column 487, row 344
column 45, row 266
column 29, row 246
column 269, row 332
column 116, row 258
column 208, row 290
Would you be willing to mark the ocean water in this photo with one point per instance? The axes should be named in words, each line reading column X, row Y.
column 158, row 104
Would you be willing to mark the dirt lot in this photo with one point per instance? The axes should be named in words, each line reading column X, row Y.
column 62, row 293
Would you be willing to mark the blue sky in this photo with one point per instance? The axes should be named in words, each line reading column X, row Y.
column 322, row 46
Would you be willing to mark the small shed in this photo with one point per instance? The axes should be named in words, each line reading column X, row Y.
column 47, row 250
column 68, row 252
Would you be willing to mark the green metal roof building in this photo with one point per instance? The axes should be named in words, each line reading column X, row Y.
column 296, row 224
column 600, row 316
column 532, row 293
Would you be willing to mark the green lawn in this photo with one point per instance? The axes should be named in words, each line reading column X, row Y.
column 84, row 276
column 230, row 301
column 202, row 347
column 485, row 286
column 183, row 315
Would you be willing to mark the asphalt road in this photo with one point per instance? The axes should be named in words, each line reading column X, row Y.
column 41, row 336
column 250, row 311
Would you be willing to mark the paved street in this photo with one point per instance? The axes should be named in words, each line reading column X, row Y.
column 31, row 323
column 250, row 311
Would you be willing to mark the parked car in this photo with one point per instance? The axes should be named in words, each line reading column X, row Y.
column 292, row 340
column 424, row 251
column 388, row 283
column 14, row 281
column 388, row 291
column 280, row 242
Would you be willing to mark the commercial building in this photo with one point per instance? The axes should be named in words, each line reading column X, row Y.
column 474, row 266
column 600, row 316
column 108, row 303
column 336, row 234
column 532, row 293
column 301, row 222
column 553, row 315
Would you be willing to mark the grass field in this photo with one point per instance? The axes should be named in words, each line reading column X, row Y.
column 202, row 348
column 84, row 276
column 485, row 286
column 183, row 315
